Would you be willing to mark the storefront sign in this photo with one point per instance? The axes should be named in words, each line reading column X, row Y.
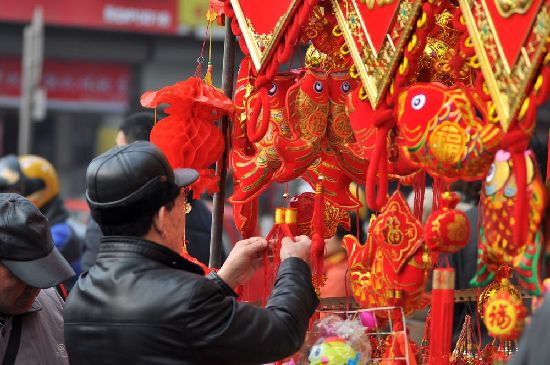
column 150, row 16
column 74, row 85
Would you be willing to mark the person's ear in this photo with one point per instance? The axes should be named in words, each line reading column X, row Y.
column 160, row 220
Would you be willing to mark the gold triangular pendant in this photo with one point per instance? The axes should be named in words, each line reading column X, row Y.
column 509, row 38
column 376, row 31
column 262, row 25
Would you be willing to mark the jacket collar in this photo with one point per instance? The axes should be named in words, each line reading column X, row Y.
column 149, row 249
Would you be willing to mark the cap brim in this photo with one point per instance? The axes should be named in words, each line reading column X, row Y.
column 44, row 272
column 184, row 177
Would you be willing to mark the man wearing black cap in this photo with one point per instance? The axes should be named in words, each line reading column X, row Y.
column 142, row 303
column 137, row 127
column 31, row 322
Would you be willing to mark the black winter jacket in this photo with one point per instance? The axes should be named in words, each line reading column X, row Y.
column 144, row 304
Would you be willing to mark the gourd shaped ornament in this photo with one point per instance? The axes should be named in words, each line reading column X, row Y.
column 392, row 267
column 440, row 131
column 189, row 136
column 496, row 244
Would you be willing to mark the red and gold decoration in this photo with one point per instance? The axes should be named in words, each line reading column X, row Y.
column 463, row 353
column 263, row 27
column 304, row 204
column 393, row 265
column 188, row 136
column 504, row 316
column 376, row 32
column 497, row 246
column 441, row 322
column 388, row 89
column 307, row 134
column 509, row 38
column 447, row 230
column 502, row 309
column 440, row 131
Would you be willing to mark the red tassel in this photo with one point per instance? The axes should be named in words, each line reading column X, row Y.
column 378, row 167
column 317, row 239
column 285, row 226
column 517, row 142
column 441, row 324
column 419, row 188
column 253, row 133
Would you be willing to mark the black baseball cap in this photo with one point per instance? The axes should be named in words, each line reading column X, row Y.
column 130, row 181
column 26, row 244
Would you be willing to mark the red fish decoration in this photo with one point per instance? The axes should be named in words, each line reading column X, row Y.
column 439, row 130
column 497, row 247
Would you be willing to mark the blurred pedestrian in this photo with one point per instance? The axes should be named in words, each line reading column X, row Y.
column 36, row 179
column 31, row 319
column 143, row 303
column 336, row 268
column 137, row 127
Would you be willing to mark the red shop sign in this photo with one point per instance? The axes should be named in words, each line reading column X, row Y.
column 71, row 84
column 151, row 16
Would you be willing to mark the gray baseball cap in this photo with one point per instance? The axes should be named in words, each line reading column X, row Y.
column 26, row 244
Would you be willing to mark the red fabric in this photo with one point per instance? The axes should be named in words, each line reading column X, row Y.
column 378, row 166
column 308, row 113
column 393, row 258
column 188, row 136
column 318, row 239
column 396, row 347
column 377, row 19
column 261, row 104
column 348, row 153
column 441, row 323
column 305, row 207
column 447, row 230
column 511, row 31
column 281, row 53
column 441, row 132
column 246, row 217
column 254, row 164
column 264, row 19
column 335, row 183
column 239, row 133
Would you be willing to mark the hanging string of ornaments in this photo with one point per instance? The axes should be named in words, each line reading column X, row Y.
column 381, row 91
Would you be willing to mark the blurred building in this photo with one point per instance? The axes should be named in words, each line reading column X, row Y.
column 100, row 56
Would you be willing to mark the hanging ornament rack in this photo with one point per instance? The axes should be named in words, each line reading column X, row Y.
column 349, row 303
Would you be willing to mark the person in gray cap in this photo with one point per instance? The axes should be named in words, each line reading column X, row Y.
column 31, row 321
column 143, row 303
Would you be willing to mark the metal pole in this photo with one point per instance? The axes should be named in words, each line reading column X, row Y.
column 31, row 73
column 25, row 102
column 221, row 166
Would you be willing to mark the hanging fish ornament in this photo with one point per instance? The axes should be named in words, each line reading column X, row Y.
column 496, row 246
column 442, row 132
column 394, row 260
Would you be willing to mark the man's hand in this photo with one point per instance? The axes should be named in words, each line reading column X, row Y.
column 243, row 261
column 300, row 247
